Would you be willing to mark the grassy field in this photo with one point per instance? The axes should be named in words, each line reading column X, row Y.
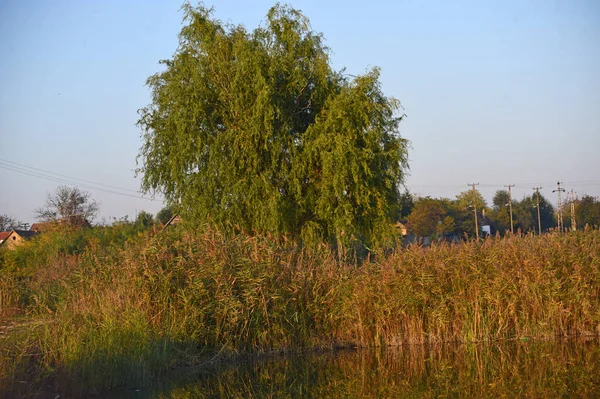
column 113, row 307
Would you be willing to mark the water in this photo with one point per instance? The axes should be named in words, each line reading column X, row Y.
column 511, row 369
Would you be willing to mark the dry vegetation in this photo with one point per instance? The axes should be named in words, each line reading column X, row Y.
column 113, row 307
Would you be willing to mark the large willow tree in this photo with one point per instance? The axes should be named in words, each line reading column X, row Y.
column 255, row 130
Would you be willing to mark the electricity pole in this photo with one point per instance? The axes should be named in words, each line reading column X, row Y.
column 573, row 221
column 510, row 206
column 560, row 218
column 475, row 209
column 537, row 191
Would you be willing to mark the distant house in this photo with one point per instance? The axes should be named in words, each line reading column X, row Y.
column 13, row 238
column 400, row 228
column 41, row 227
column 5, row 235
column 74, row 221
column 451, row 237
column 488, row 227
column 175, row 219
column 77, row 221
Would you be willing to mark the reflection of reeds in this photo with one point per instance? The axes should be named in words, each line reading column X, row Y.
column 120, row 308
column 508, row 369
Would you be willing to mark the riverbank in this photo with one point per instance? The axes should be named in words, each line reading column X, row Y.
column 103, row 311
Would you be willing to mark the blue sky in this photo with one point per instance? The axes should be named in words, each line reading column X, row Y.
column 496, row 92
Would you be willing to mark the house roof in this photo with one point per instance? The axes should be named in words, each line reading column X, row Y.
column 39, row 227
column 174, row 220
column 4, row 235
column 26, row 233
column 75, row 221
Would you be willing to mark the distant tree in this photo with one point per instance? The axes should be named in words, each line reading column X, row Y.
column 405, row 205
column 68, row 204
column 500, row 213
column 547, row 213
column 256, row 130
column 501, row 217
column 144, row 219
column 446, row 225
column 425, row 217
column 526, row 215
column 464, row 203
column 587, row 212
column 501, row 199
column 467, row 198
column 8, row 223
column 165, row 214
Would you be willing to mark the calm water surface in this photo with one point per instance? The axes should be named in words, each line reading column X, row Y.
column 509, row 370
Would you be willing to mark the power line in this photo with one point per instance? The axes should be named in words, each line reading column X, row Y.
column 59, row 180
column 12, row 164
column 573, row 220
column 537, row 191
column 89, row 184
column 510, row 205
column 475, row 208
column 440, row 187
column 560, row 218
column 69, row 182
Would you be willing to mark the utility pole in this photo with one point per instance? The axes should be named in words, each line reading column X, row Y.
column 573, row 221
column 475, row 209
column 510, row 206
column 537, row 191
column 560, row 218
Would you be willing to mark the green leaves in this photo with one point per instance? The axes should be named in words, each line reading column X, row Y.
column 353, row 160
column 425, row 219
column 256, row 130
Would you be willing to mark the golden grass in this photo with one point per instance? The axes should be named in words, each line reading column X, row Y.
column 118, row 312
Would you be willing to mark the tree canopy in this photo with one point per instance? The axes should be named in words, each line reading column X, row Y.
column 256, row 130
column 8, row 223
column 501, row 199
column 467, row 198
column 425, row 218
column 165, row 214
column 587, row 212
column 526, row 214
column 68, row 204
column 500, row 212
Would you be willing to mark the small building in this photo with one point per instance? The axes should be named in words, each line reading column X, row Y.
column 41, row 227
column 13, row 238
column 488, row 227
column 175, row 219
column 401, row 229
column 73, row 221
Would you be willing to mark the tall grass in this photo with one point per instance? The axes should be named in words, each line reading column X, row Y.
column 114, row 308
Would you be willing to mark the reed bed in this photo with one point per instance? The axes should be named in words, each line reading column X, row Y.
column 99, row 311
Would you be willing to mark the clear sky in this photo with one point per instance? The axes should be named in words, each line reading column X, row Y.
column 496, row 92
